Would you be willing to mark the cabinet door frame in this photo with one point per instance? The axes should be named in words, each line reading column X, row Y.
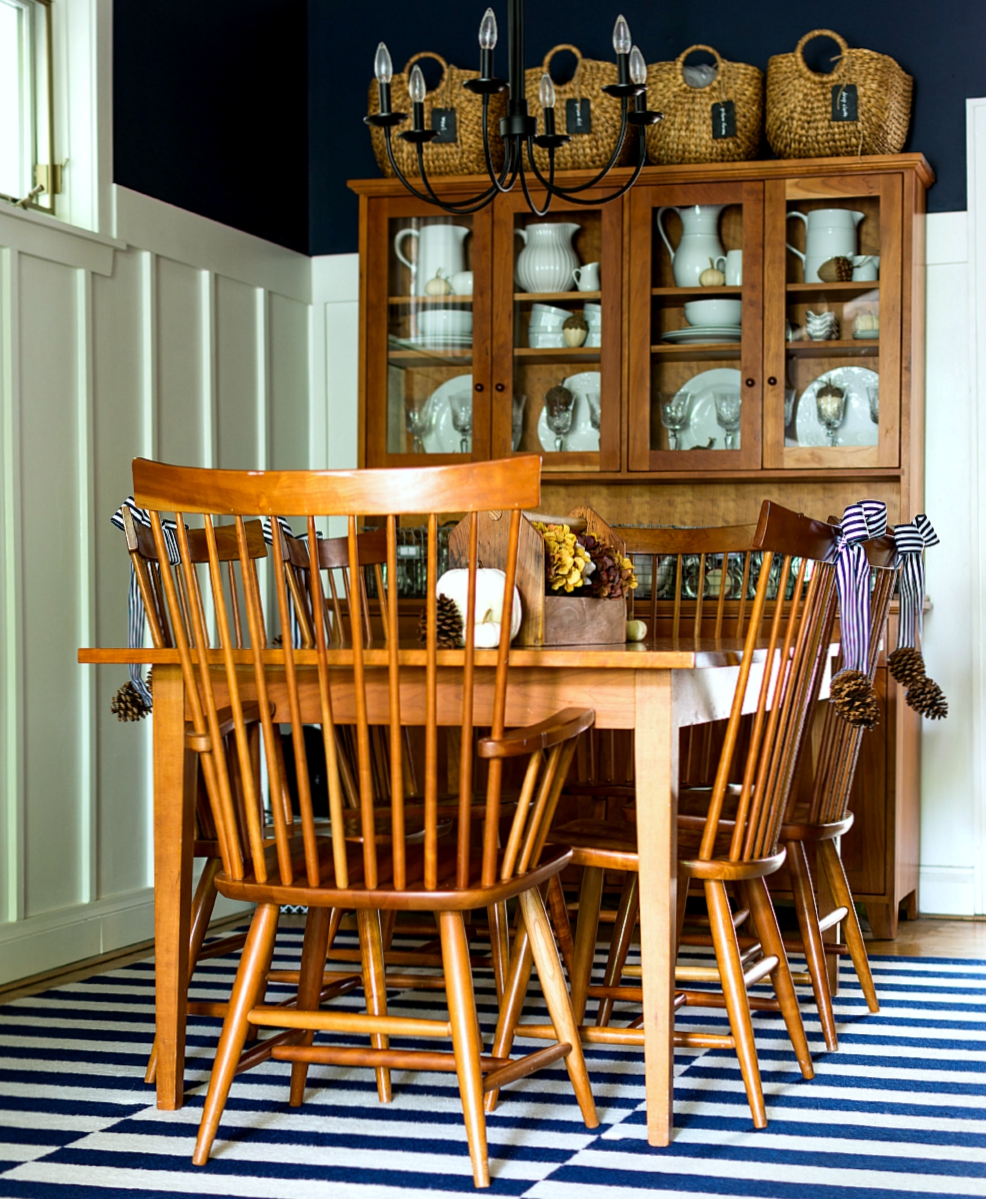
column 375, row 353
column 505, row 208
column 644, row 201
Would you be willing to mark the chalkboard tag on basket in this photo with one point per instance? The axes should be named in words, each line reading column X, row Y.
column 845, row 102
column 723, row 120
column 443, row 122
column 578, row 116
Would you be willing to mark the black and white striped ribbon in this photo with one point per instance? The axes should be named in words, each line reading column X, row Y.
column 296, row 637
column 860, row 522
column 135, row 603
column 912, row 540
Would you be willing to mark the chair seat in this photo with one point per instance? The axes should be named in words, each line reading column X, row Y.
column 413, row 897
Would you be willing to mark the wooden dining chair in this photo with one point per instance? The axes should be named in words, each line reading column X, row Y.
column 377, row 686
column 787, row 637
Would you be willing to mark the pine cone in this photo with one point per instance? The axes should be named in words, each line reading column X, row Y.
column 926, row 697
column 855, row 700
column 448, row 624
column 836, row 270
column 127, row 704
column 906, row 665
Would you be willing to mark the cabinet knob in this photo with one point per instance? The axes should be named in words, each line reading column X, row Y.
column 498, row 386
column 750, row 382
column 772, row 381
column 479, row 387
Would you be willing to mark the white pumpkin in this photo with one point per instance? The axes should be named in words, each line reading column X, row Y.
column 489, row 602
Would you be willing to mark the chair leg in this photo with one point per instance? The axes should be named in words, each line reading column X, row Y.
column 811, row 938
column 309, row 988
column 626, row 922
column 734, row 990
column 375, row 988
column 248, row 990
column 512, row 1002
column 465, row 1039
column 560, row 922
column 556, row 997
column 836, row 875
column 769, row 934
column 586, row 931
column 499, row 924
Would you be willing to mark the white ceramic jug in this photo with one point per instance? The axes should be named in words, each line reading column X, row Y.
column 829, row 233
column 699, row 243
column 440, row 250
column 547, row 261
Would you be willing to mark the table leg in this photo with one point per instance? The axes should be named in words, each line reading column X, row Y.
column 656, row 762
column 173, row 842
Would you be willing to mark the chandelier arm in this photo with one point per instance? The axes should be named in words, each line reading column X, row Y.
column 597, row 179
column 473, row 204
column 566, row 197
column 523, row 182
column 500, row 184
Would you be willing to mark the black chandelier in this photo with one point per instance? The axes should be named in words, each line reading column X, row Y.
column 518, row 129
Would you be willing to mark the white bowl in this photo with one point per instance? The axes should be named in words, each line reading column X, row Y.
column 699, row 313
column 593, row 314
column 548, row 339
column 439, row 321
column 544, row 316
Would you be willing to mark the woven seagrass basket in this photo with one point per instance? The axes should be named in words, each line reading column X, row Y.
column 862, row 107
column 586, row 151
column 464, row 155
column 722, row 122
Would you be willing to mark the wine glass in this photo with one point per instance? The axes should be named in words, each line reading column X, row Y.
column 559, row 408
column 461, row 404
column 790, row 395
column 675, row 408
column 517, row 421
column 728, row 408
column 418, row 417
column 593, row 400
column 873, row 395
column 830, row 404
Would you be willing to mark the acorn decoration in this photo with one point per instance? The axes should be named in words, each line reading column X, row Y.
column 836, row 270
column 906, row 663
column 128, row 704
column 575, row 330
column 448, row 624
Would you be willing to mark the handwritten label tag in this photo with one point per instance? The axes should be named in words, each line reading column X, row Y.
column 723, row 120
column 845, row 102
column 578, row 116
column 443, row 122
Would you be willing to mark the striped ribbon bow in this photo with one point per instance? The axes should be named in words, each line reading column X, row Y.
column 860, row 522
column 135, row 604
column 912, row 540
column 296, row 637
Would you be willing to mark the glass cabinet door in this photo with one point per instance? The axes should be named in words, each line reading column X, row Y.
column 427, row 351
column 694, row 327
column 557, row 284
column 832, row 317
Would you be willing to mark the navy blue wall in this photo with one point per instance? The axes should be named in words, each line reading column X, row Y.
column 210, row 104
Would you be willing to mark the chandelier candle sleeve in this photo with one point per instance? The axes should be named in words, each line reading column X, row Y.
column 383, row 68
column 548, row 103
column 487, row 42
column 622, row 44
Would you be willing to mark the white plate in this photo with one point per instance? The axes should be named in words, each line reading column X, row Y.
column 857, row 428
column 706, row 333
column 581, row 436
column 702, row 424
column 442, row 437
column 438, row 341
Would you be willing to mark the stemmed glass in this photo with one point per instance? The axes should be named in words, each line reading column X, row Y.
column 729, row 406
column 830, row 404
column 418, row 416
column 873, row 395
column 461, row 405
column 790, row 395
column 593, row 400
column 675, row 410
column 517, row 421
column 559, row 408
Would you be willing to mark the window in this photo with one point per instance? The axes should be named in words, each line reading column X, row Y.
column 26, row 111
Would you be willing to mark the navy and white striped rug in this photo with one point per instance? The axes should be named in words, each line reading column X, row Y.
column 899, row 1112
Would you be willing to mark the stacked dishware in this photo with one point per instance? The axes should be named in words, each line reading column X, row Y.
column 709, row 321
column 545, row 329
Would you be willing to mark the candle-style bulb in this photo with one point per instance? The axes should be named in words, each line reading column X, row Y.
column 487, row 30
column 416, row 85
column 621, row 36
column 547, row 91
column 638, row 68
column 383, row 68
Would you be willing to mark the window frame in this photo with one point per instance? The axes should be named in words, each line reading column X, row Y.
column 38, row 64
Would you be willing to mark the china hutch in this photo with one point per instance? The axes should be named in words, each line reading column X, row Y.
column 673, row 410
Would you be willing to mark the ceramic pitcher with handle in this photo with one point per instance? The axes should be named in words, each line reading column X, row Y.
column 699, row 245
column 829, row 233
column 547, row 261
column 440, row 251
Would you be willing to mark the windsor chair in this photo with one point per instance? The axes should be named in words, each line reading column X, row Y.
column 364, row 687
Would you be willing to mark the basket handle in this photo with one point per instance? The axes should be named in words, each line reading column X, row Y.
column 680, row 64
column 554, row 50
column 841, row 67
column 428, row 54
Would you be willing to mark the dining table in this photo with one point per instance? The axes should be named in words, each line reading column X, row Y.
column 655, row 687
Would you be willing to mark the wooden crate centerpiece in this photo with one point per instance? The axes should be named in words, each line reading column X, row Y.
column 549, row 618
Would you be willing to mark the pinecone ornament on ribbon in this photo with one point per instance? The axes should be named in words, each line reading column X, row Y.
column 127, row 704
column 926, row 697
column 448, row 624
column 855, row 700
column 906, row 665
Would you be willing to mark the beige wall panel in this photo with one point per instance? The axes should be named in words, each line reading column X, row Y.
column 237, row 367
column 54, row 788
column 179, row 371
column 288, row 420
column 119, row 435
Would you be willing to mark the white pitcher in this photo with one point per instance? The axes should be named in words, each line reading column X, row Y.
column 547, row 261
column 829, row 233
column 440, row 251
column 699, row 243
